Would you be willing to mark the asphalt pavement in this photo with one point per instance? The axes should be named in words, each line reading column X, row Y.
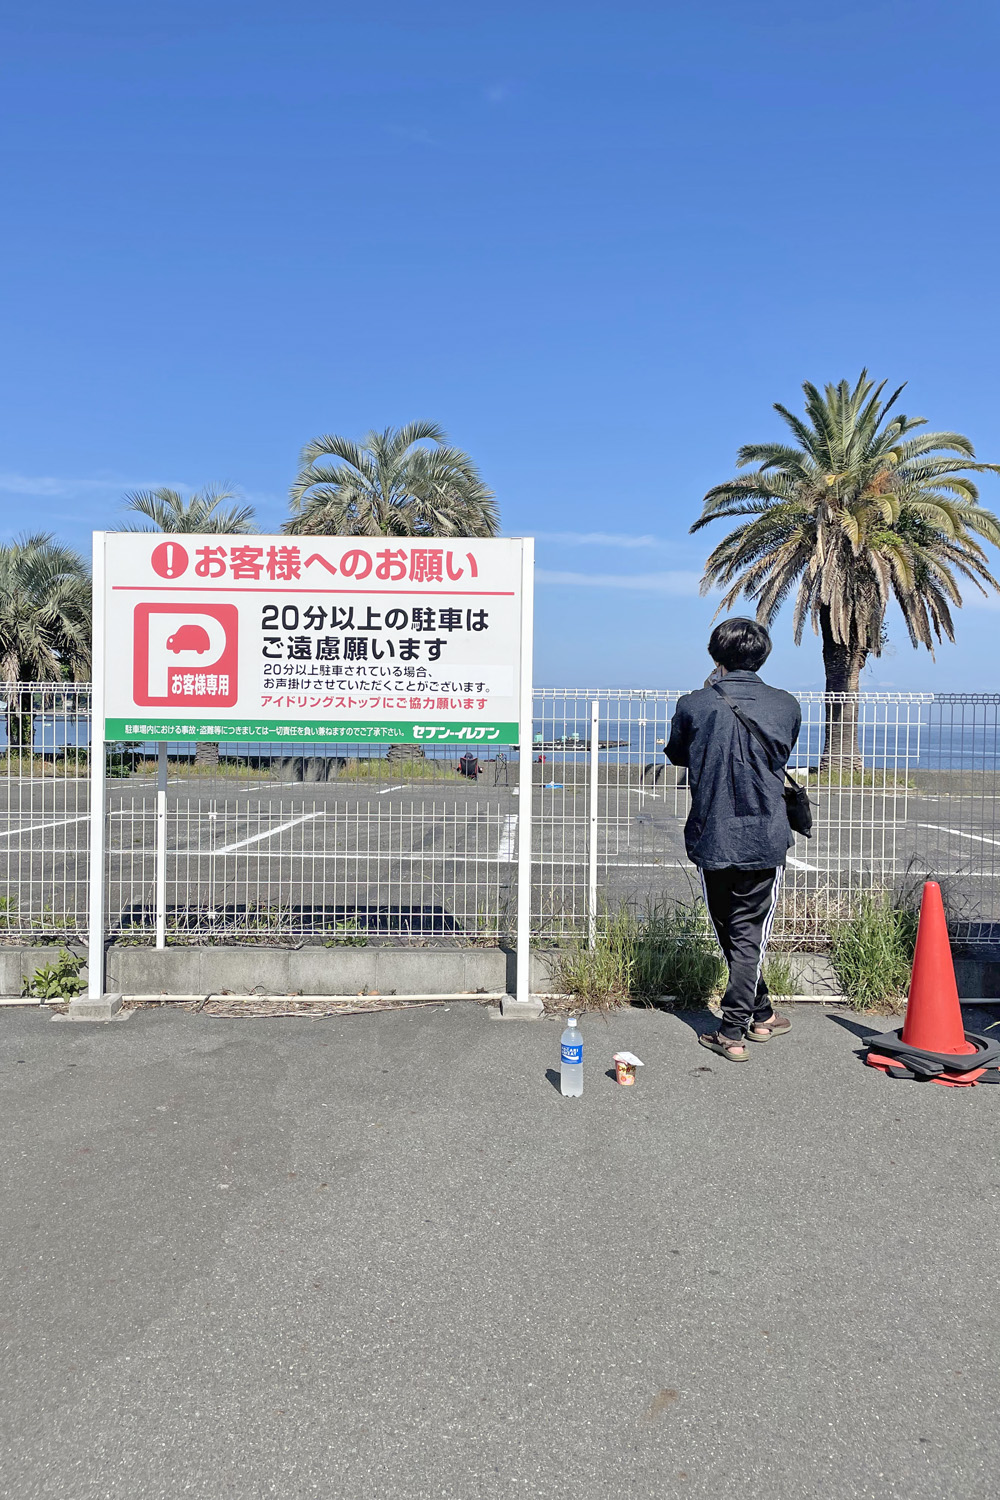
column 380, row 1256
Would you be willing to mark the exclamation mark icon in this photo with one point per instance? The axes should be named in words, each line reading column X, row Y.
column 169, row 560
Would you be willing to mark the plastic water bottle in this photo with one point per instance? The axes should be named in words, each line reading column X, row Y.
column 571, row 1061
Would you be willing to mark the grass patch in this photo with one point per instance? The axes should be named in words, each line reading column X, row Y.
column 781, row 976
column 872, row 952
column 372, row 769
column 601, row 977
column 22, row 763
column 667, row 950
column 834, row 779
column 226, row 770
column 677, row 954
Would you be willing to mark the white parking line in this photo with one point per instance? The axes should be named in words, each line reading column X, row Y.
column 800, row 864
column 16, row 833
column 42, row 780
column 635, row 864
column 385, row 789
column 953, row 797
column 939, row 828
column 507, row 837
column 258, row 837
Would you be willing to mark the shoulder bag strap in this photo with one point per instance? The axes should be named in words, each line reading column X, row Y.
column 752, row 729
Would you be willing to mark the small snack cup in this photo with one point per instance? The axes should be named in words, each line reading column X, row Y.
column 625, row 1066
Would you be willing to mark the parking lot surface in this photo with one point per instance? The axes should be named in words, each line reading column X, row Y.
column 382, row 1257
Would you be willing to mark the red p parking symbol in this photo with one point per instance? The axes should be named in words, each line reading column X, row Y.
column 186, row 655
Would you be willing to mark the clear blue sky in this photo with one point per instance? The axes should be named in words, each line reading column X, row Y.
column 594, row 241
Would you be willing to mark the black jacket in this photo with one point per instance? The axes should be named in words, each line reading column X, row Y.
column 737, row 818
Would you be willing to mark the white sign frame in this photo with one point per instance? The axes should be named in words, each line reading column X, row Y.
column 523, row 696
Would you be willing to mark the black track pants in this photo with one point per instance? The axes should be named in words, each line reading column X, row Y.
column 741, row 904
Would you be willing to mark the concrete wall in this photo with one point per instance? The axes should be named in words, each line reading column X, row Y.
column 282, row 971
column 400, row 971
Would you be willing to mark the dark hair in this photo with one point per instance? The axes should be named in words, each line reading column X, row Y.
column 739, row 645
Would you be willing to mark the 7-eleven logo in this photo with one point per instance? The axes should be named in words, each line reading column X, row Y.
column 186, row 655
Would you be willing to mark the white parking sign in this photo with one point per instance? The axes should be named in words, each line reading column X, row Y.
column 337, row 638
column 377, row 639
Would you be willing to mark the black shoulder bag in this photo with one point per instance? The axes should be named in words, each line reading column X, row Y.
column 797, row 804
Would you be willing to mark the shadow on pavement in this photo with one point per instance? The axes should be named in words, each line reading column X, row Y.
column 861, row 1029
column 552, row 1075
column 698, row 1020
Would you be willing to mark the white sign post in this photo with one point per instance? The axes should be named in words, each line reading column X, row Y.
column 522, row 990
column 98, row 786
column 380, row 639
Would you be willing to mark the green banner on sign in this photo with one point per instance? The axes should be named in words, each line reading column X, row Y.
column 281, row 729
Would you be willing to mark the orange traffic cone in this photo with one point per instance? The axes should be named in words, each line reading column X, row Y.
column 933, row 1022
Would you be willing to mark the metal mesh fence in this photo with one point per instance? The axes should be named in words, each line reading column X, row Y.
column 44, row 826
column 331, row 842
column 861, row 812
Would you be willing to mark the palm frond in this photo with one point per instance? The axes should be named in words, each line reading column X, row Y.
column 867, row 505
column 167, row 510
column 390, row 485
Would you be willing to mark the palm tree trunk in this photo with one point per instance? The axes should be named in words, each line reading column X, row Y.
column 206, row 753
column 842, row 665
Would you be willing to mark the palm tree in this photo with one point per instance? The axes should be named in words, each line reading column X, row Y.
column 856, row 512
column 44, row 623
column 166, row 510
column 389, row 486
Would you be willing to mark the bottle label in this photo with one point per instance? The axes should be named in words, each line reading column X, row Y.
column 571, row 1052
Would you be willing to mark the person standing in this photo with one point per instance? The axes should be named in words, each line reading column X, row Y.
column 737, row 832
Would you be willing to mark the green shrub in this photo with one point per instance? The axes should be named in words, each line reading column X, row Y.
column 346, row 934
column 872, row 952
column 121, row 755
column 58, row 980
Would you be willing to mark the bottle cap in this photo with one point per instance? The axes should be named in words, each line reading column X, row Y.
column 571, row 1021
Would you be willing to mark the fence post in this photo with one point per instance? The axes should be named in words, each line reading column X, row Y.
column 161, row 844
column 595, row 709
column 98, row 1008
column 525, row 774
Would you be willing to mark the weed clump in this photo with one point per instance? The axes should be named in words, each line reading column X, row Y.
column 678, row 955
column 781, row 976
column 59, row 980
column 601, row 976
column 667, row 950
column 872, row 952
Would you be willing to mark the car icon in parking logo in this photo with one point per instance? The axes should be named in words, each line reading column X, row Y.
column 186, row 655
column 189, row 638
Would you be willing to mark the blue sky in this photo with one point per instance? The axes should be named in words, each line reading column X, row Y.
column 594, row 241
